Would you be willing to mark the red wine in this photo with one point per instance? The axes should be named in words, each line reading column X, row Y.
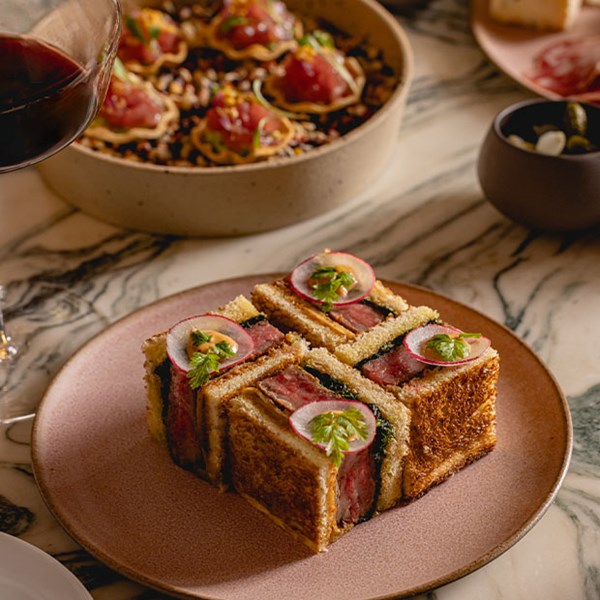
column 46, row 99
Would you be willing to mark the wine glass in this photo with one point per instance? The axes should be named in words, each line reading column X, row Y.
column 56, row 59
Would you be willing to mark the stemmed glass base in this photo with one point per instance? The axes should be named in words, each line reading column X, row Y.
column 49, row 323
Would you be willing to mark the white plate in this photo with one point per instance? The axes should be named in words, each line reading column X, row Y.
column 28, row 573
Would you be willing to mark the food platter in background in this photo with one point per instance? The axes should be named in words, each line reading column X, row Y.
column 518, row 52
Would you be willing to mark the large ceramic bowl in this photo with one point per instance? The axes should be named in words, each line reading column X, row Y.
column 219, row 201
column 550, row 193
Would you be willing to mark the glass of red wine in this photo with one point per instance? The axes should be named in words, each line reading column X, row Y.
column 56, row 58
column 55, row 62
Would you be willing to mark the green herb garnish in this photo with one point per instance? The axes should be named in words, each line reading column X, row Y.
column 232, row 22
column 321, row 37
column 258, row 132
column 327, row 291
column 199, row 337
column 204, row 363
column 120, row 71
column 451, row 348
column 337, row 429
column 133, row 27
column 154, row 32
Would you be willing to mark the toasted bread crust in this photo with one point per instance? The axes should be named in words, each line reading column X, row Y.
column 287, row 309
column 279, row 472
column 453, row 420
column 213, row 397
column 390, row 491
column 155, row 352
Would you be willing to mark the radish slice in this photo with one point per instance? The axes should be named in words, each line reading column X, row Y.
column 361, row 271
column 301, row 421
column 417, row 340
column 179, row 335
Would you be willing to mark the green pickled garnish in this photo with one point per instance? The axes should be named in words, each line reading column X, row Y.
column 576, row 118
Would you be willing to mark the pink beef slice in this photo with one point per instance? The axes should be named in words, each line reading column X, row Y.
column 264, row 336
column 393, row 367
column 357, row 316
column 180, row 422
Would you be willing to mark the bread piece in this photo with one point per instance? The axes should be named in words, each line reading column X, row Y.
column 449, row 427
column 453, row 420
column 370, row 342
column 175, row 412
column 396, row 414
column 284, row 475
column 213, row 397
column 279, row 472
column 287, row 309
column 537, row 14
column 240, row 309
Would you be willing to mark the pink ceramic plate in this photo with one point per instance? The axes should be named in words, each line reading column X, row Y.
column 512, row 49
column 117, row 493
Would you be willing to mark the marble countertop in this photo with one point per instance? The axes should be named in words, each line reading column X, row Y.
column 424, row 221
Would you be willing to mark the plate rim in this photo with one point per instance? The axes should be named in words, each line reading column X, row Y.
column 35, row 553
column 454, row 575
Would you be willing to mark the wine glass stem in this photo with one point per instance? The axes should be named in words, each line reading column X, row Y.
column 7, row 348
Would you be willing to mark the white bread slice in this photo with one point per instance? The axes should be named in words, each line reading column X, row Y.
column 453, row 420
column 239, row 309
column 286, row 308
column 537, row 14
column 213, row 396
column 390, row 491
column 369, row 342
column 280, row 473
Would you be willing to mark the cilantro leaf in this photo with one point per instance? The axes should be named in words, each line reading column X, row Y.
column 328, row 283
column 203, row 364
column 154, row 32
column 337, row 429
column 451, row 348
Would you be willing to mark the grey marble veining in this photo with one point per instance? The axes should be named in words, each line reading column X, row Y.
column 423, row 221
